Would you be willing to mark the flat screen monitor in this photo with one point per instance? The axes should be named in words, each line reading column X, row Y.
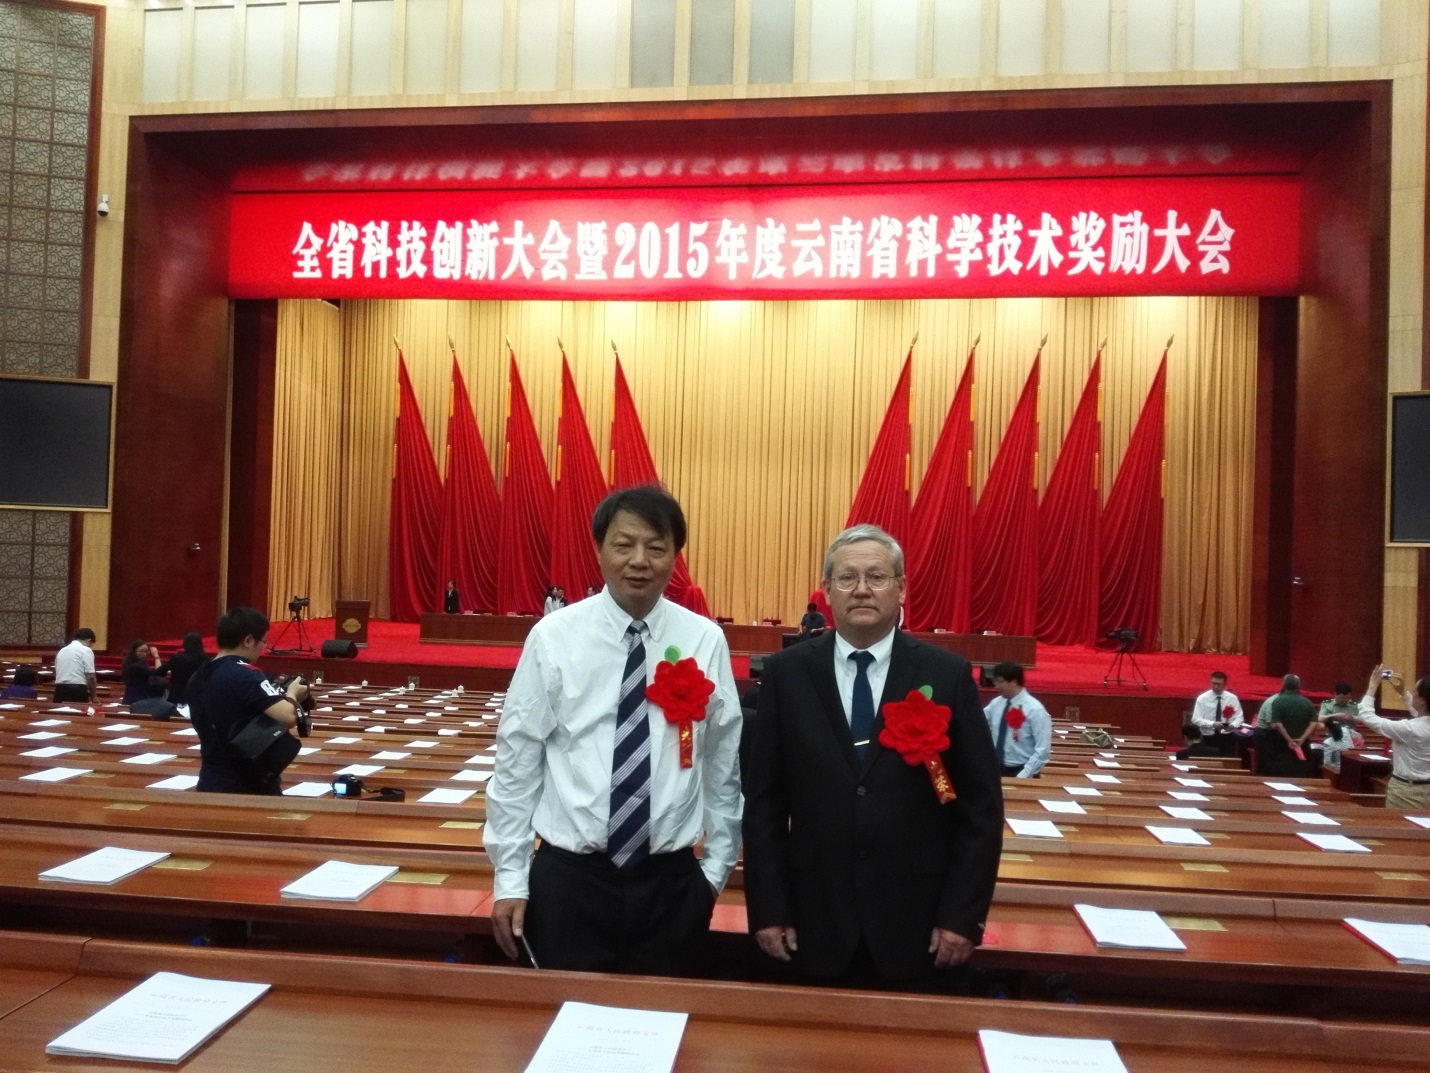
column 1410, row 468
column 55, row 443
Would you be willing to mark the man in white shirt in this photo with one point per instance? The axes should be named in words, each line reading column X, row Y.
column 1218, row 708
column 596, row 771
column 74, row 668
column 1021, row 727
column 1409, row 786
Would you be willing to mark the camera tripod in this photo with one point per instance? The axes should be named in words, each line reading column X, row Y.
column 1124, row 651
column 302, row 647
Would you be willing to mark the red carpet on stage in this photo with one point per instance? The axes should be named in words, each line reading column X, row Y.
column 1060, row 668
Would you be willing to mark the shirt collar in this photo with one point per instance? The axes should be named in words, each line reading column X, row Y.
column 880, row 649
column 620, row 621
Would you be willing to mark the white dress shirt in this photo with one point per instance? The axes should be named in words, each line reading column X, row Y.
column 73, row 663
column 1410, row 757
column 1207, row 710
column 1034, row 743
column 557, row 731
column 846, row 670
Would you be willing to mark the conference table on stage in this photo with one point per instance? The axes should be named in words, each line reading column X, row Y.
column 1257, row 903
column 380, row 1015
column 743, row 640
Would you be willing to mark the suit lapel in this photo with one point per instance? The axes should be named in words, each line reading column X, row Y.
column 820, row 659
column 903, row 669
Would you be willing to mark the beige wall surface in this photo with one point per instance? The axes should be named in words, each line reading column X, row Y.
column 167, row 56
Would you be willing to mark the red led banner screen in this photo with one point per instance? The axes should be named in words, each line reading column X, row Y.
column 1225, row 235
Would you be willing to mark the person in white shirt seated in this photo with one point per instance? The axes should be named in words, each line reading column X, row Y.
column 1218, row 709
column 1409, row 786
column 74, row 668
column 617, row 788
column 1336, row 741
column 1021, row 727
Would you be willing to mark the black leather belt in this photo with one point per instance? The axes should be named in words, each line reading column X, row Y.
column 1412, row 782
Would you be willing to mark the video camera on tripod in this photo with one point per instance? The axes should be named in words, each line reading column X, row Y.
column 1126, row 638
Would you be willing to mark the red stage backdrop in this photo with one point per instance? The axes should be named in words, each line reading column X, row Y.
column 579, row 488
column 1108, row 236
column 525, row 555
column 415, row 510
column 940, row 547
column 471, row 507
column 882, row 498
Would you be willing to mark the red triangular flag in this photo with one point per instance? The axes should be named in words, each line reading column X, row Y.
column 525, row 539
column 579, row 488
column 883, row 495
column 471, row 508
column 413, row 511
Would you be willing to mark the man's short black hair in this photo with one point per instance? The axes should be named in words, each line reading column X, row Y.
column 1219, row 674
column 1191, row 733
column 158, row 686
column 812, row 607
column 650, row 503
column 238, row 623
column 1008, row 671
column 84, row 633
column 1343, row 688
column 25, row 675
column 1422, row 687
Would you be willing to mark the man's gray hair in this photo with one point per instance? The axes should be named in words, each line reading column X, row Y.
column 856, row 534
column 1291, row 681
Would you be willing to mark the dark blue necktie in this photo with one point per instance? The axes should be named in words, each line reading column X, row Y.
column 861, row 704
column 1002, row 731
column 628, row 831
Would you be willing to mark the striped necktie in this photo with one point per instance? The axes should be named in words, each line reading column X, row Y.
column 628, row 831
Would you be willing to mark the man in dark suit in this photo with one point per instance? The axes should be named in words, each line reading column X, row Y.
column 853, row 869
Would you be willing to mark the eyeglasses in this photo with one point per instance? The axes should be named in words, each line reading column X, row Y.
column 877, row 582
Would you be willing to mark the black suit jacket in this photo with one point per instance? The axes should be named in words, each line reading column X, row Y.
column 843, row 848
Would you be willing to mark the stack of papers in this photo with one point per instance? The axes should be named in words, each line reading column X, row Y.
column 1292, row 799
column 1187, row 795
column 308, row 789
column 149, row 758
column 466, row 775
column 338, row 881
column 126, row 741
column 362, row 771
column 1071, row 808
column 57, row 774
column 1287, row 787
column 1128, row 929
column 1311, row 817
column 608, row 1039
column 164, row 1019
column 445, row 797
column 176, row 782
column 1408, row 944
column 1034, row 828
column 1083, row 791
column 107, row 865
column 1337, row 843
column 1104, row 779
column 1185, row 812
column 1005, row 1052
column 116, row 728
column 1200, row 784
column 48, row 752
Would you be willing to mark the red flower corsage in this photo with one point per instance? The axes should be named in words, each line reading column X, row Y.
column 682, row 691
column 917, row 729
column 1015, row 719
column 1228, row 712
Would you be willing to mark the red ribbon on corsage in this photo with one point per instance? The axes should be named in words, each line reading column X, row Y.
column 917, row 729
column 1228, row 712
column 682, row 691
column 1015, row 719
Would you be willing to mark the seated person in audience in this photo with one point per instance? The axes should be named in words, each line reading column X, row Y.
column 1342, row 708
column 1193, row 744
column 812, row 622
column 23, row 687
column 452, row 599
column 1336, row 741
column 1021, row 727
column 1288, row 726
column 227, row 695
column 591, row 590
column 74, row 668
column 1409, row 785
column 180, row 667
column 156, row 704
column 1218, row 708
column 140, row 664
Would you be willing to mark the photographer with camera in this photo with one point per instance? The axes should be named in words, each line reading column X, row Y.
column 245, row 720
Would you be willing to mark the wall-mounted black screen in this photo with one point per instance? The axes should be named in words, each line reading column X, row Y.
column 54, row 443
column 1410, row 469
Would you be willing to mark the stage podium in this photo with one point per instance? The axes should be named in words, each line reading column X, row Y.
column 350, row 619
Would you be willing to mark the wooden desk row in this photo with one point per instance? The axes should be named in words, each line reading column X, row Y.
column 375, row 1016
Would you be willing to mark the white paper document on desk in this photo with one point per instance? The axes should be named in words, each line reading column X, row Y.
column 1177, row 836
column 1408, row 944
column 1071, row 808
column 1128, row 929
column 608, row 1039
column 1034, row 828
column 1007, row 1052
column 107, row 865
column 338, row 881
column 164, row 1019
column 1185, row 812
column 1334, row 843
column 1311, row 817
column 1420, row 821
